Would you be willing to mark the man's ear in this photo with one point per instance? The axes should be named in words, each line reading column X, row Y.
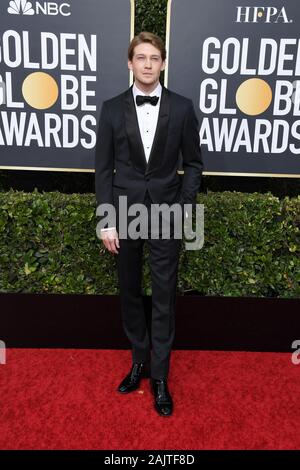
column 129, row 63
column 163, row 65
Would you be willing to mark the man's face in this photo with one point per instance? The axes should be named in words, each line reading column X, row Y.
column 146, row 64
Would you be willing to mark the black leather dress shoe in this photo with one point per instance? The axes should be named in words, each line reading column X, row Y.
column 163, row 402
column 133, row 379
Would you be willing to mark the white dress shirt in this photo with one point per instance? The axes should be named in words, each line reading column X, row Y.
column 147, row 115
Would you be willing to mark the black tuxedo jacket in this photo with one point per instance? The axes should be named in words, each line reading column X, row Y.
column 119, row 147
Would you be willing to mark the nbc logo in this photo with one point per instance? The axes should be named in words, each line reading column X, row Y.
column 18, row 7
column 24, row 7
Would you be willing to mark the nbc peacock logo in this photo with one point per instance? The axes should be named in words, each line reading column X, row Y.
column 20, row 7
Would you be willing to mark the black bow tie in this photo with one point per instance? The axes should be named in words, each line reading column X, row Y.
column 141, row 99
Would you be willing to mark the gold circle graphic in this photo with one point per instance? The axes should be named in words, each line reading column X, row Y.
column 40, row 90
column 253, row 96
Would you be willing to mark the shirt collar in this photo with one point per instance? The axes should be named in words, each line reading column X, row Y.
column 156, row 92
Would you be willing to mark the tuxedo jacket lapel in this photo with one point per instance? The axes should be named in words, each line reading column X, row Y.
column 161, row 133
column 137, row 153
column 136, row 147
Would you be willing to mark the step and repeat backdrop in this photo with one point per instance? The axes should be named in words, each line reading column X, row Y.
column 240, row 64
column 238, row 61
column 58, row 61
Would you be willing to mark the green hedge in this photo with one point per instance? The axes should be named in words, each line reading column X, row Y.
column 48, row 244
column 150, row 15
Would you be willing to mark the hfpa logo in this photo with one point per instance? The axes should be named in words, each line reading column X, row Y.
column 24, row 7
column 261, row 15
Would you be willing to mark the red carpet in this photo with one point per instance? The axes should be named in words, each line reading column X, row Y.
column 66, row 399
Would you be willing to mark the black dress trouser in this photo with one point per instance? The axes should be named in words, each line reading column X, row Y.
column 163, row 261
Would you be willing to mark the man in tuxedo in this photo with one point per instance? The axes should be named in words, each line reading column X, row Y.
column 140, row 137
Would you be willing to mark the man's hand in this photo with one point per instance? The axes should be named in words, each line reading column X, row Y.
column 110, row 240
